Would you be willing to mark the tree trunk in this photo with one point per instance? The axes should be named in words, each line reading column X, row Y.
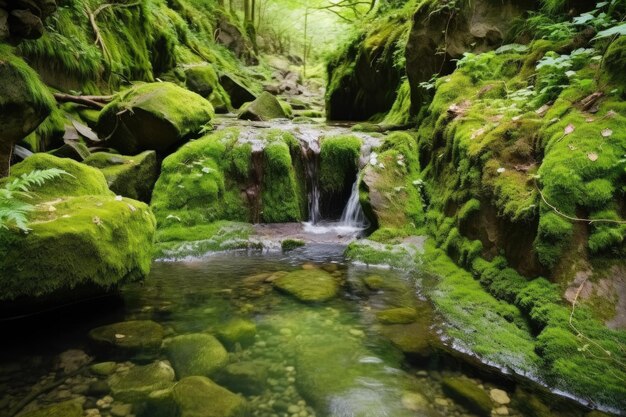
column 220, row 3
column 6, row 149
column 246, row 11
column 252, row 11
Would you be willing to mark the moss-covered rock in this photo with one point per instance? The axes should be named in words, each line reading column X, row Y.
column 390, row 189
column 311, row 286
column 70, row 408
column 136, row 384
column 24, row 103
column 400, row 315
column 265, row 107
column 248, row 378
column 78, row 228
column 219, row 177
column 237, row 331
column 200, row 397
column 469, row 394
column 153, row 116
column 196, row 354
column 128, row 338
column 130, row 176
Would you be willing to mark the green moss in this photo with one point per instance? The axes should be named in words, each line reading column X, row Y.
column 153, row 116
column 400, row 113
column 339, row 157
column 291, row 244
column 82, row 179
column 130, row 176
column 196, row 354
column 39, row 95
column 265, row 107
column 391, row 185
column 309, row 286
column 70, row 408
column 281, row 196
column 201, row 182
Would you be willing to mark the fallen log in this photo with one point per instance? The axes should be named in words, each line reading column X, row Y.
column 96, row 102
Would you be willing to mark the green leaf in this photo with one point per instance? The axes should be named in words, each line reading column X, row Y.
column 618, row 30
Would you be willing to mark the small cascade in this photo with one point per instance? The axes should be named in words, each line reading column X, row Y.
column 353, row 216
column 312, row 169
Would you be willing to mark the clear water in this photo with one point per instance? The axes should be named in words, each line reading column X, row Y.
column 330, row 360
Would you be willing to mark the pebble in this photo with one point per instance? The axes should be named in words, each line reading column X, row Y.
column 502, row 411
column 499, row 396
column 121, row 410
column 356, row 332
column 441, row 401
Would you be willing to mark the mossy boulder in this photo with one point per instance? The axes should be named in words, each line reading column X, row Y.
column 74, row 247
column 219, row 177
column 265, row 107
column 237, row 331
column 134, row 385
column 24, row 103
column 400, row 315
column 71, row 408
column 469, row 394
column 197, row 396
column 129, row 338
column 201, row 79
column 310, row 286
column 153, row 116
column 196, row 354
column 130, row 176
column 248, row 378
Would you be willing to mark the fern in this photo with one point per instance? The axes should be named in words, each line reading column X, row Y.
column 13, row 209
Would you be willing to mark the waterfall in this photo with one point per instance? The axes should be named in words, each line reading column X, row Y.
column 314, row 188
column 353, row 215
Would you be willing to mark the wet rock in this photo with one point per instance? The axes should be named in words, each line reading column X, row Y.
column 248, row 378
column 201, row 79
column 499, row 396
column 129, row 176
column 138, row 382
column 4, row 24
column 72, row 360
column 71, row 408
column 401, row 315
column 314, row 285
column 196, row 354
column 239, row 94
column 121, row 410
column 265, row 107
column 414, row 401
column 237, row 331
column 501, row 411
column 141, row 338
column 25, row 24
column 25, row 103
column 104, row 368
column 153, row 116
column 467, row 393
column 197, row 396
column 413, row 339
column 99, row 388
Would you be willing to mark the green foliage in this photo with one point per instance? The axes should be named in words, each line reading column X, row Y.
column 13, row 209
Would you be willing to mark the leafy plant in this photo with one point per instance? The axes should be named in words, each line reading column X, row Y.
column 13, row 209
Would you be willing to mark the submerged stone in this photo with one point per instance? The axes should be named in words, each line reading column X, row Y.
column 137, row 383
column 308, row 285
column 200, row 397
column 196, row 354
column 401, row 315
column 265, row 107
column 71, row 408
column 248, row 378
column 153, row 116
column 237, row 331
column 467, row 393
column 129, row 176
column 129, row 338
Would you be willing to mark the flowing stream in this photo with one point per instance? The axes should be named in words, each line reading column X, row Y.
column 335, row 359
